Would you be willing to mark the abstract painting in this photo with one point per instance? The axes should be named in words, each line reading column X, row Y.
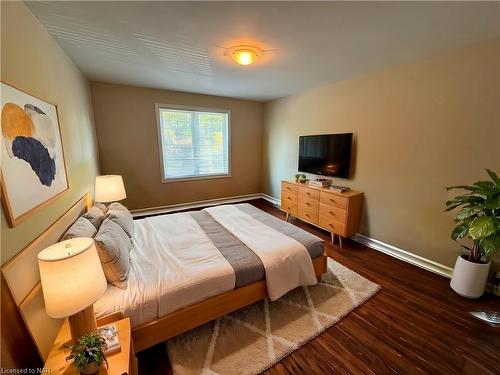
column 33, row 167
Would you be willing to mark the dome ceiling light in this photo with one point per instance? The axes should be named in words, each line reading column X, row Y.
column 245, row 55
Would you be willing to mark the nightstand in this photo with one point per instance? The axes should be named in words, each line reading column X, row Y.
column 122, row 363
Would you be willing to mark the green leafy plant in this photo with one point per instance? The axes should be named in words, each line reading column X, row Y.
column 90, row 348
column 478, row 217
column 297, row 176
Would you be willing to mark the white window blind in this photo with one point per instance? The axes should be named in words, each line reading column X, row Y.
column 194, row 143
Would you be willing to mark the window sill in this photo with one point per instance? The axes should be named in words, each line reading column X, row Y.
column 194, row 178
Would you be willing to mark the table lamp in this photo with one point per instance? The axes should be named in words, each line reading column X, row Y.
column 109, row 188
column 72, row 280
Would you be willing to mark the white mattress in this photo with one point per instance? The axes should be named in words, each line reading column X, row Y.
column 163, row 275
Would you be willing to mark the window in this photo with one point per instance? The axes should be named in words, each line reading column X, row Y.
column 194, row 142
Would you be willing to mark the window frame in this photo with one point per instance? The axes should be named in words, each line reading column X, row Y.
column 164, row 179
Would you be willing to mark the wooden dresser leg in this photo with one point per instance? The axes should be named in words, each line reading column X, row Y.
column 340, row 241
column 287, row 216
column 333, row 238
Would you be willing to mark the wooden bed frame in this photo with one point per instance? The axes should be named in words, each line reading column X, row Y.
column 192, row 316
column 23, row 280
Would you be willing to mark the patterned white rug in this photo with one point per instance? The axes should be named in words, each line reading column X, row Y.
column 254, row 338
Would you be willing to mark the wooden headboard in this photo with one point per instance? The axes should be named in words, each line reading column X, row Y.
column 23, row 280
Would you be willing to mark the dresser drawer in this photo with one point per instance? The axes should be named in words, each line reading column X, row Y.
column 309, row 193
column 289, row 188
column 307, row 214
column 332, row 225
column 333, row 213
column 289, row 207
column 288, row 198
column 333, row 200
column 309, row 203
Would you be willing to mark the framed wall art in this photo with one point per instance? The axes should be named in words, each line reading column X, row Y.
column 33, row 169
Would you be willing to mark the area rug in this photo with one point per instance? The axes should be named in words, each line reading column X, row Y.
column 254, row 338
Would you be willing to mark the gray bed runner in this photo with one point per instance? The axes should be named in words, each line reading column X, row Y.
column 247, row 266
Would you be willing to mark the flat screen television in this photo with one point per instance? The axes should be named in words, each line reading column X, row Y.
column 327, row 154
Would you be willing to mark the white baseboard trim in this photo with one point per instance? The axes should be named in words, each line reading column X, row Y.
column 271, row 199
column 192, row 205
column 404, row 255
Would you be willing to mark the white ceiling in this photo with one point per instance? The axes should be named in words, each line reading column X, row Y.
column 180, row 45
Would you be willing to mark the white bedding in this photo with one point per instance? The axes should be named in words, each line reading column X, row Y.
column 173, row 264
column 286, row 262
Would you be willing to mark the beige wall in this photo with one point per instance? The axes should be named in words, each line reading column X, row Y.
column 418, row 128
column 32, row 61
column 128, row 144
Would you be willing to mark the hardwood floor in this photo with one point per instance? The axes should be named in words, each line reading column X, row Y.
column 414, row 325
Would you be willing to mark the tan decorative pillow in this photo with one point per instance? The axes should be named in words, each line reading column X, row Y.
column 121, row 216
column 118, row 206
column 113, row 246
column 123, row 219
column 101, row 206
column 80, row 228
column 95, row 216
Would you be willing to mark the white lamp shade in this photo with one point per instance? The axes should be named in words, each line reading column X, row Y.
column 109, row 188
column 71, row 275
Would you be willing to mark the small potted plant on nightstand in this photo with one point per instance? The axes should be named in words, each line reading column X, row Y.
column 478, row 220
column 88, row 353
column 303, row 178
column 297, row 177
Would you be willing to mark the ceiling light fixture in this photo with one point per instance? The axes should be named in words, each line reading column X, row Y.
column 245, row 55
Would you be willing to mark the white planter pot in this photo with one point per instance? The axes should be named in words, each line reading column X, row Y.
column 469, row 279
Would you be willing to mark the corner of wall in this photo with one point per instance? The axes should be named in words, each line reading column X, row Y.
column 32, row 61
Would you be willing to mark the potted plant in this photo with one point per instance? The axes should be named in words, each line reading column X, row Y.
column 302, row 178
column 479, row 221
column 88, row 353
column 297, row 177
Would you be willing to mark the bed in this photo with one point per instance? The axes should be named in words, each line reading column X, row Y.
column 166, row 276
column 181, row 260
column 186, row 269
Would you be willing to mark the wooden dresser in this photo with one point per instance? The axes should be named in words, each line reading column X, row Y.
column 336, row 212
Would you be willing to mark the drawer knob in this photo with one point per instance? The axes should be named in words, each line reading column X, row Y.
column 332, row 200
column 331, row 213
column 308, row 203
column 308, row 193
column 330, row 224
column 289, row 198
